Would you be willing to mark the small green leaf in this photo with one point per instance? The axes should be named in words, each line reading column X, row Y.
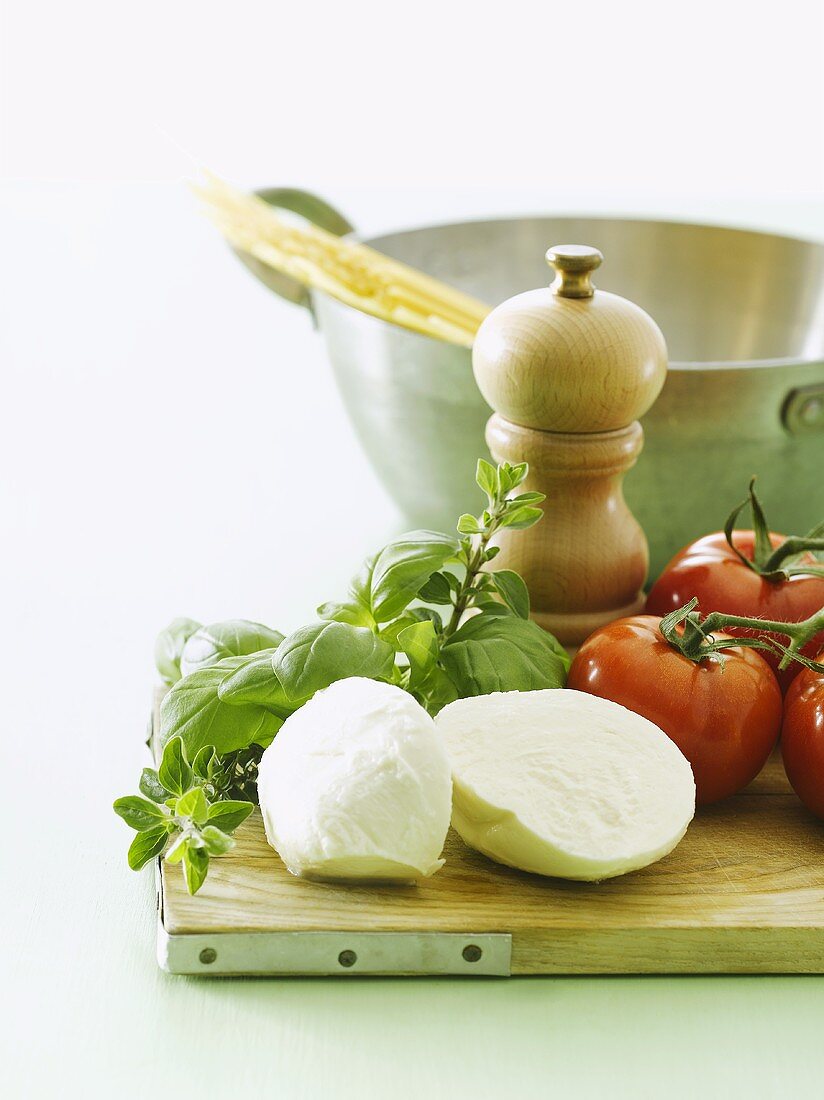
column 146, row 845
column 486, row 477
column 353, row 613
column 174, row 771
column 468, row 525
column 510, row 477
column 233, row 638
column 178, row 850
column 420, row 644
column 151, row 786
column 255, row 682
column 437, row 589
column 228, row 815
column 512, row 590
column 216, row 841
column 437, row 691
column 422, row 614
column 390, row 580
column 528, row 498
column 520, row 518
column 202, row 760
column 169, row 647
column 139, row 813
column 195, row 867
column 193, row 804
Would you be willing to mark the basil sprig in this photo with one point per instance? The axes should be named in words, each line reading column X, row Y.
column 427, row 612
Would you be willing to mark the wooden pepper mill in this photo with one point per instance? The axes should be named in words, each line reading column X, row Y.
column 568, row 370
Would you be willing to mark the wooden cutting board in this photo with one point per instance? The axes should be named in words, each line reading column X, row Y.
column 742, row 893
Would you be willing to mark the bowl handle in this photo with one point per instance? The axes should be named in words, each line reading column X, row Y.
column 314, row 209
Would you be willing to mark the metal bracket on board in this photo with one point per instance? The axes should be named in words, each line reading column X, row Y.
column 333, row 953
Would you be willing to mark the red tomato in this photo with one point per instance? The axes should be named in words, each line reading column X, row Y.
column 711, row 570
column 724, row 720
column 802, row 738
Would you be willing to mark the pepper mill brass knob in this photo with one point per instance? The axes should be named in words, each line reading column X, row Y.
column 568, row 370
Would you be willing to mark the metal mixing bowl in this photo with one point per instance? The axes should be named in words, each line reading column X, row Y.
column 743, row 315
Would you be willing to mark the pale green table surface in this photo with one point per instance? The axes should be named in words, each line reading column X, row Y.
column 172, row 444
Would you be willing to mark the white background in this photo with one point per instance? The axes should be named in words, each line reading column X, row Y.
column 171, row 443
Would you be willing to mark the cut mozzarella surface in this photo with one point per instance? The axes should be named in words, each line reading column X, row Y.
column 563, row 783
column 356, row 785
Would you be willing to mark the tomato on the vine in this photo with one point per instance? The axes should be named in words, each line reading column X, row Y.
column 712, row 570
column 757, row 574
column 723, row 711
column 802, row 738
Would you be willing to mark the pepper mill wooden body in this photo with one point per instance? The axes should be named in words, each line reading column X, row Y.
column 568, row 370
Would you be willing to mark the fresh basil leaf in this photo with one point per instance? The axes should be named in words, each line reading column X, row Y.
column 492, row 607
column 390, row 632
column 437, row 589
column 194, row 711
column 174, row 771
column 255, row 681
column 233, row 638
column 353, row 613
column 169, row 647
column 229, row 814
column 503, row 654
column 528, row 498
column 151, row 786
column 195, row 866
column 316, row 656
column 424, row 614
column 390, row 581
column 146, row 846
column 420, row 644
column 139, row 813
column 486, row 478
column 512, row 590
column 216, row 841
column 436, row 691
column 193, row 804
column 520, row 518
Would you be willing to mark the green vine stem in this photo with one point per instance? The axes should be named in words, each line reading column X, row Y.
column 775, row 563
column 693, row 636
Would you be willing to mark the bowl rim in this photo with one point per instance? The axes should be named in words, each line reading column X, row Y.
column 374, row 241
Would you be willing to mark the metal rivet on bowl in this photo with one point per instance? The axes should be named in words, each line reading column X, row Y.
column 347, row 958
column 208, row 955
column 811, row 410
column 472, row 953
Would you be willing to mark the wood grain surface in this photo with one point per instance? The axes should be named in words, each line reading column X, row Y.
column 743, row 892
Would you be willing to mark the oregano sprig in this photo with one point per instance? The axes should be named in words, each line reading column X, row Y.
column 186, row 811
column 503, row 510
